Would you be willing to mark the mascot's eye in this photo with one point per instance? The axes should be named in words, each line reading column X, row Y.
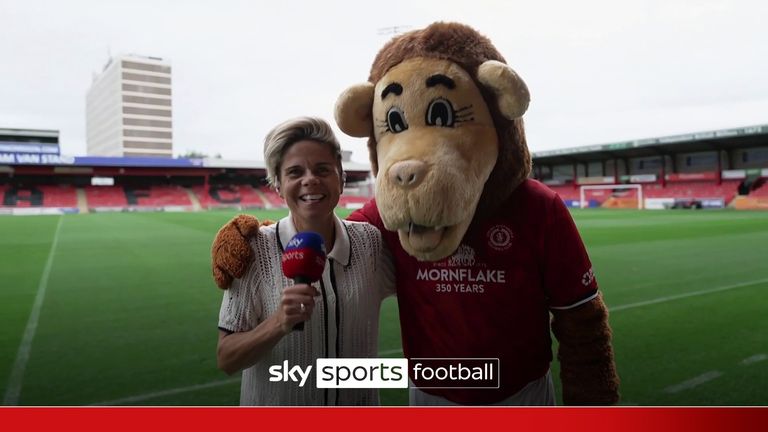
column 440, row 113
column 396, row 120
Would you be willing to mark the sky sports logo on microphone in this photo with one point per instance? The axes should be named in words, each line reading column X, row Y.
column 465, row 373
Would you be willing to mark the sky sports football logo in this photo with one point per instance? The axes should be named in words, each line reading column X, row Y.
column 447, row 373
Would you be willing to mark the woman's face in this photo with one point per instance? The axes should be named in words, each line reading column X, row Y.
column 310, row 181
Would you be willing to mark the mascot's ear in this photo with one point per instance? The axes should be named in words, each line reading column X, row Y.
column 511, row 91
column 353, row 110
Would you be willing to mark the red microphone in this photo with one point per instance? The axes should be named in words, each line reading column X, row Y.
column 304, row 260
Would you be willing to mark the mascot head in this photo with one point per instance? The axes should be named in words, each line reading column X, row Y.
column 443, row 115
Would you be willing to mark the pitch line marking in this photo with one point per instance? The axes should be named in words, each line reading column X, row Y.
column 13, row 392
column 139, row 398
column 754, row 359
column 686, row 295
column 179, row 390
column 694, row 382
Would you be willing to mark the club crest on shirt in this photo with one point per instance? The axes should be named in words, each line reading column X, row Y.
column 500, row 237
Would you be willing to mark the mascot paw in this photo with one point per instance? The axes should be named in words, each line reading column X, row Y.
column 231, row 252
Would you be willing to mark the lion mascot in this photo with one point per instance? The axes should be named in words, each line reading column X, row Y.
column 487, row 260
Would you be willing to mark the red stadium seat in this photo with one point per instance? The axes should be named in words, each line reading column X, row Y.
column 61, row 196
column 118, row 196
column 228, row 196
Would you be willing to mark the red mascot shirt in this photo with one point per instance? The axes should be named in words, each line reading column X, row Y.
column 491, row 298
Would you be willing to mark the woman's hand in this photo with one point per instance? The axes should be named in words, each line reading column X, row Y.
column 296, row 305
column 240, row 350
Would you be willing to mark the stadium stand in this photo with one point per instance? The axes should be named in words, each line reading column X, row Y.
column 222, row 196
column 621, row 198
column 59, row 196
column 14, row 197
column 121, row 197
column 757, row 199
column 711, row 169
column 566, row 192
column 760, row 189
column 208, row 202
column 618, row 198
column 272, row 197
column 727, row 190
column 52, row 196
column 105, row 197
column 627, row 198
column 352, row 201
column 165, row 196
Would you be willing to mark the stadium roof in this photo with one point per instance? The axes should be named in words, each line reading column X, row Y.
column 147, row 162
column 49, row 133
column 257, row 164
column 724, row 139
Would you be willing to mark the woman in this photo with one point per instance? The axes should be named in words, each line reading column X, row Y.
column 341, row 311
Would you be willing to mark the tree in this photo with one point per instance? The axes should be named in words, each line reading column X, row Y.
column 194, row 154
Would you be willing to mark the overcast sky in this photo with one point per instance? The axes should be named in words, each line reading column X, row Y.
column 598, row 71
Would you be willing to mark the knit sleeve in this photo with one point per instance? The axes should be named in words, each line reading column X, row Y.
column 386, row 272
column 241, row 305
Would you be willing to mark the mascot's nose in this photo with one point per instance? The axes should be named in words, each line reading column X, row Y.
column 407, row 174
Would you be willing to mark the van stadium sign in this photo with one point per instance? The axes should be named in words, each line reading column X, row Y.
column 91, row 161
column 35, row 159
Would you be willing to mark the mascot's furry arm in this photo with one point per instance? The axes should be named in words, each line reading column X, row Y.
column 587, row 371
column 230, row 253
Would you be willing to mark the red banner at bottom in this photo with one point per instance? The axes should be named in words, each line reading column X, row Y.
column 613, row 419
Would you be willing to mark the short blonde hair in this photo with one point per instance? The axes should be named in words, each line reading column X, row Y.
column 282, row 136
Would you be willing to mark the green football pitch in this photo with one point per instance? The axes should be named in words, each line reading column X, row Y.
column 120, row 309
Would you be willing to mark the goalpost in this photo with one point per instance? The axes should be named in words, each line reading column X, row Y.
column 582, row 189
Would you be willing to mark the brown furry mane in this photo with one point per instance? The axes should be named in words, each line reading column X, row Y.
column 467, row 48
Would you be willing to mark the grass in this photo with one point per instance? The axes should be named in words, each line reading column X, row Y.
column 130, row 307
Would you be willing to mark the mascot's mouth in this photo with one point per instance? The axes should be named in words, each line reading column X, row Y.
column 424, row 238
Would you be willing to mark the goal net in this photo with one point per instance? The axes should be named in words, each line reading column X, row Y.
column 611, row 196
